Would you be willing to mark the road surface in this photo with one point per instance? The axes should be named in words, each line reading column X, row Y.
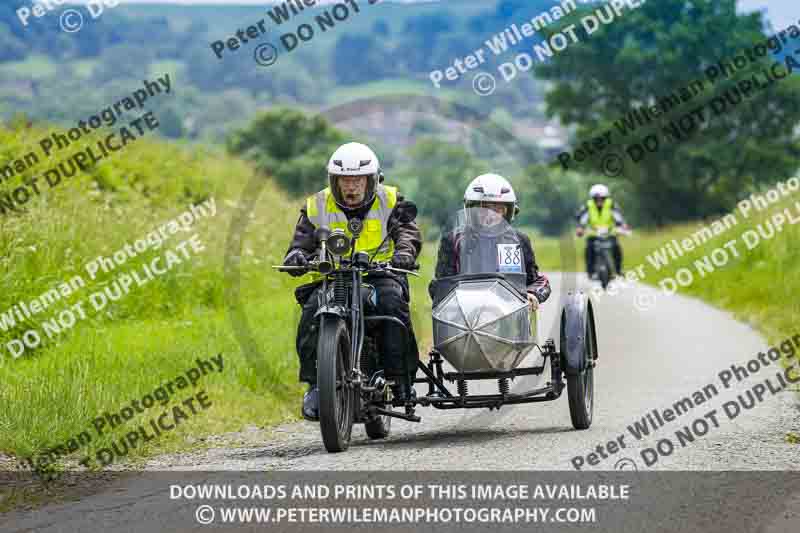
column 653, row 352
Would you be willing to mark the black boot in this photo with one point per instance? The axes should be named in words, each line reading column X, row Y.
column 311, row 404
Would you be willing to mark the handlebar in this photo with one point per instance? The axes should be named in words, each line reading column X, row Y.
column 314, row 266
column 619, row 231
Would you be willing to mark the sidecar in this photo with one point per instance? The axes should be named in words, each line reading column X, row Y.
column 483, row 328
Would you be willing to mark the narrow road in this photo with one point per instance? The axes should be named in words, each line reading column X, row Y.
column 654, row 351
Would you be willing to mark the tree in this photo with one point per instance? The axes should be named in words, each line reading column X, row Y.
column 290, row 146
column 358, row 59
column 442, row 171
column 652, row 52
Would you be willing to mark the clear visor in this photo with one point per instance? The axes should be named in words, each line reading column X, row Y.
column 352, row 191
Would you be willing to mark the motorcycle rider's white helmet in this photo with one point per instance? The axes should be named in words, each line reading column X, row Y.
column 354, row 159
column 492, row 188
column 599, row 190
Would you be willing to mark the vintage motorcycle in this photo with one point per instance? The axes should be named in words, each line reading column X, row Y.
column 604, row 266
column 482, row 327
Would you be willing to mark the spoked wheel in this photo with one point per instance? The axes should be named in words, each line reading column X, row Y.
column 336, row 400
column 580, row 386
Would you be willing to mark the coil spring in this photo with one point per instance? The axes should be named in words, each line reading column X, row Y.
column 502, row 384
column 462, row 387
column 340, row 288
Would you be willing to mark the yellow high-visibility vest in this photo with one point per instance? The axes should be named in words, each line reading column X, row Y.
column 322, row 210
column 604, row 217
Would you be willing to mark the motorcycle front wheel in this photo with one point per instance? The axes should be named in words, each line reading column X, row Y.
column 336, row 399
column 603, row 273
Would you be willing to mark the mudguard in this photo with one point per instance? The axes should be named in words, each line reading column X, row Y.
column 574, row 317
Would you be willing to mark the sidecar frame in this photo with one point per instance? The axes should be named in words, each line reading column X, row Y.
column 577, row 353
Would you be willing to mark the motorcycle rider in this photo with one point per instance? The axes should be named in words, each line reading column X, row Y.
column 355, row 190
column 600, row 211
column 496, row 195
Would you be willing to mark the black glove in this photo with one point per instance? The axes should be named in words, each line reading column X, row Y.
column 404, row 261
column 296, row 259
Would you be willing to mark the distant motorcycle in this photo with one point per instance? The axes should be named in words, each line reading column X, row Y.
column 603, row 247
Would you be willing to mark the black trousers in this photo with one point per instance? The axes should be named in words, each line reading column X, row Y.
column 392, row 300
column 616, row 252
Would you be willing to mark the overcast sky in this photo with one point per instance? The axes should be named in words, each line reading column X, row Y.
column 780, row 12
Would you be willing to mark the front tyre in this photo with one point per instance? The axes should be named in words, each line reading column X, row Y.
column 580, row 386
column 603, row 273
column 336, row 399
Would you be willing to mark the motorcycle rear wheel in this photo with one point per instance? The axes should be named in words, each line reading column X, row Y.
column 336, row 401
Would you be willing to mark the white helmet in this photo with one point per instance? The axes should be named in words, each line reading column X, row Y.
column 491, row 188
column 599, row 190
column 354, row 159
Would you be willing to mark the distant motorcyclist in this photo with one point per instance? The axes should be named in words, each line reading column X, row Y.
column 600, row 211
column 355, row 190
column 496, row 195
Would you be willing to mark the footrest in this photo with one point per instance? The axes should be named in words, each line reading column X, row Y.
column 396, row 414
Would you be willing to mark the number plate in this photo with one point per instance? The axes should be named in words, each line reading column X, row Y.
column 509, row 258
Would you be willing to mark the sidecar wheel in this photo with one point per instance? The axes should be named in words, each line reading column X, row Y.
column 336, row 401
column 580, row 386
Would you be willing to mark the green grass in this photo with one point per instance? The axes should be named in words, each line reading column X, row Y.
column 83, row 68
column 390, row 87
column 156, row 332
column 34, row 67
column 760, row 287
column 175, row 69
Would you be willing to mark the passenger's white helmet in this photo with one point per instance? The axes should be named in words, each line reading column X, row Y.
column 354, row 159
column 599, row 190
column 494, row 189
